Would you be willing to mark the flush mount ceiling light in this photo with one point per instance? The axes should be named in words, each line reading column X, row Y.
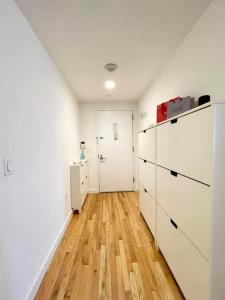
column 110, row 84
column 111, row 67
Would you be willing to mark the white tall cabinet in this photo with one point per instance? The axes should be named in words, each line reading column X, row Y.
column 79, row 184
column 188, row 189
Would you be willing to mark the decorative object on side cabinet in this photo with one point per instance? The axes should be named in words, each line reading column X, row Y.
column 82, row 155
column 82, row 145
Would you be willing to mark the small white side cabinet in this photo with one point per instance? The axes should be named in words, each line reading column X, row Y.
column 79, row 184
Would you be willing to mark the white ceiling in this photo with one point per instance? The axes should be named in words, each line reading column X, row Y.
column 138, row 35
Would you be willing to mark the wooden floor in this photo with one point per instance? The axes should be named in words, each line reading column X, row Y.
column 108, row 253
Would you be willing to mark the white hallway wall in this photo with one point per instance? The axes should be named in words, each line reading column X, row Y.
column 39, row 132
column 88, row 126
column 197, row 67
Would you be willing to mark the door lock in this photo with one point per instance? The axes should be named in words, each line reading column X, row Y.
column 102, row 159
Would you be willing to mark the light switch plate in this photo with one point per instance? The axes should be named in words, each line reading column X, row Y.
column 7, row 167
column 1, row 169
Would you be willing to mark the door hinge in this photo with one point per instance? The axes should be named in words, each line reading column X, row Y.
column 133, row 180
column 132, row 117
column 133, row 148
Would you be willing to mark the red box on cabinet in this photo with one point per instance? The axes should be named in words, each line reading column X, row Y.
column 162, row 109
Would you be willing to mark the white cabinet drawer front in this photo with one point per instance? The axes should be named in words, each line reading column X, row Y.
column 146, row 141
column 82, row 188
column 83, row 191
column 148, row 209
column 83, row 172
column 186, row 146
column 86, row 186
column 189, row 203
column 190, row 269
column 147, row 176
column 86, row 169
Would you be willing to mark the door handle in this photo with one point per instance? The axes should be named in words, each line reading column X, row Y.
column 102, row 159
column 173, row 223
column 173, row 121
column 173, row 173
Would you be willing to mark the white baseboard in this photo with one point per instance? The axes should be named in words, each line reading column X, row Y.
column 93, row 191
column 34, row 288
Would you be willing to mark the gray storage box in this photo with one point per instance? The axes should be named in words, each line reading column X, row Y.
column 179, row 106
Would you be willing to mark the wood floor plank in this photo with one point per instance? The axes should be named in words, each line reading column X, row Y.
column 108, row 253
column 164, row 288
column 134, row 288
column 125, row 273
column 102, row 274
column 121, row 290
column 139, row 282
column 156, row 295
column 62, row 280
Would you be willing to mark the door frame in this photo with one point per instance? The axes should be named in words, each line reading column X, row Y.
column 97, row 142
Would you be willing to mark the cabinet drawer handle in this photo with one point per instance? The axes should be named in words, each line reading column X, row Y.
column 173, row 223
column 145, row 190
column 173, row 173
column 173, row 121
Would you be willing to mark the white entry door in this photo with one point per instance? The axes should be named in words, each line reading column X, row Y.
column 115, row 156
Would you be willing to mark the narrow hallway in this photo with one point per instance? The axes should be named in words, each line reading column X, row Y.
column 108, row 253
